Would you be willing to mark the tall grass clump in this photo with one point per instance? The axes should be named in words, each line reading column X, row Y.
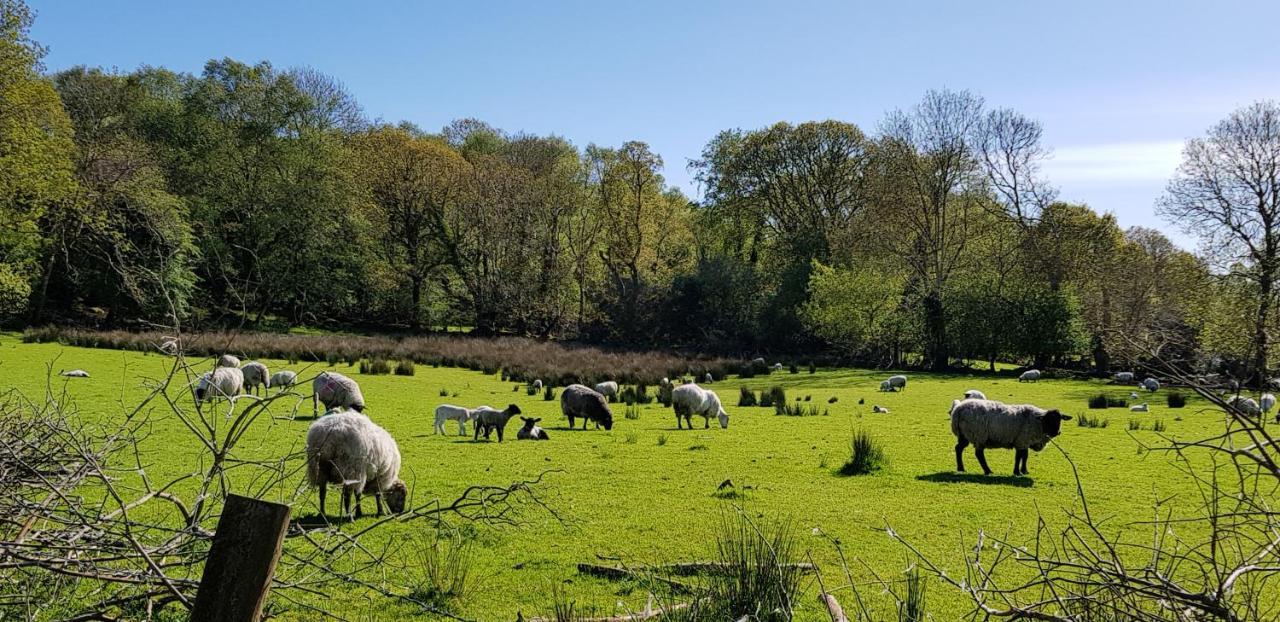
column 529, row 389
column 375, row 367
column 632, row 412
column 1176, row 400
column 866, row 455
column 664, row 396
column 799, row 409
column 1157, row 425
column 911, row 606
column 404, row 367
column 443, row 570
column 1098, row 401
column 746, row 397
column 761, row 579
column 793, row 368
column 1134, row 424
column 774, row 397
column 1085, row 420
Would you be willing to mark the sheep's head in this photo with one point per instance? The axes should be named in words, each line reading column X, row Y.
column 358, row 408
column 395, row 496
column 1051, row 424
column 513, row 410
column 201, row 389
column 530, row 422
column 724, row 418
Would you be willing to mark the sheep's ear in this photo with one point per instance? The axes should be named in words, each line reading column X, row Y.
column 537, row 419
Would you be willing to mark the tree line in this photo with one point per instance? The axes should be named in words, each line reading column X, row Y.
column 252, row 196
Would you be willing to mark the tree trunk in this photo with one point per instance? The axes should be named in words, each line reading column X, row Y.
column 935, row 320
column 1266, row 279
column 415, row 317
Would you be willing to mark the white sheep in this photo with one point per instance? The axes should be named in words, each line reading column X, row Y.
column 255, row 375
column 990, row 424
column 1031, row 375
column 758, row 362
column 169, row 346
column 1246, row 405
column 609, row 389
column 1123, row 377
column 489, row 419
column 1133, row 395
column 335, row 390
column 449, row 412
column 666, row 382
column 879, row 410
column 776, row 367
column 530, row 431
column 1267, row 402
column 886, row 386
column 228, row 360
column 74, row 373
column 974, row 394
column 709, row 379
column 1139, row 408
column 898, row 382
column 691, row 399
column 348, row 450
column 224, row 382
column 283, row 380
column 1151, row 384
column 537, row 384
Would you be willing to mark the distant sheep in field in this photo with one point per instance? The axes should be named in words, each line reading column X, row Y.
column 691, row 399
column 609, row 390
column 335, row 390
column 228, row 360
column 1267, row 402
column 898, row 382
column 170, row 347
column 666, row 382
column 974, row 394
column 284, row 380
column 224, row 382
column 530, row 430
column 759, row 362
column 449, row 412
column 1246, row 405
column 880, row 410
column 1123, row 377
column 989, row 424
column 1133, row 395
column 348, row 450
column 255, row 375
column 1139, row 408
column 1151, row 384
column 886, row 386
column 776, row 367
column 1031, row 375
column 580, row 401
column 74, row 373
column 489, row 419
column 537, row 384
column 709, row 379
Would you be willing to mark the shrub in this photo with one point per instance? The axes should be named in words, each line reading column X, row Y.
column 1098, row 401
column 866, row 455
column 808, row 397
column 642, row 394
column 404, row 367
column 375, row 367
column 1176, row 400
column 793, row 369
column 799, row 409
column 444, row 393
column 529, row 389
column 775, row 396
column 664, row 396
column 813, row 369
column 746, row 397
column 628, row 396
column 833, row 399
column 1089, row 421
column 633, row 412
column 1117, row 402
column 1134, row 424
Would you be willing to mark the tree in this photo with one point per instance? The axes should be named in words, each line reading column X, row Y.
column 1227, row 193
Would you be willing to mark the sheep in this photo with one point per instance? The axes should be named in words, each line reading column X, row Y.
column 990, row 424
column 74, row 373
column 886, row 386
column 347, row 449
column 1245, row 405
column 666, row 382
column 609, row 390
column 1267, row 402
column 221, row 382
column 577, row 400
column 169, row 346
column 879, row 410
column 335, row 390
column 1133, row 395
column 1151, row 384
column 691, row 399
column 449, row 412
column 530, row 430
column 776, row 367
column 974, row 394
column 1139, row 408
column 537, row 384
column 228, row 360
column 1031, row 375
column 283, row 379
column 709, row 379
column 1123, row 377
column 759, row 362
column 489, row 419
column 898, row 382
column 255, row 375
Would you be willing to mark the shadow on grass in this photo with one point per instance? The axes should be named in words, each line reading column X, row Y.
column 315, row 521
column 951, row 477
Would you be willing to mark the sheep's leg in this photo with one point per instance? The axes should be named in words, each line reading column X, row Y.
column 961, row 443
column 1020, row 461
column 500, row 428
column 679, row 423
column 477, row 427
column 323, row 488
column 462, row 428
column 982, row 459
column 706, row 421
column 377, row 501
column 570, row 423
column 346, row 502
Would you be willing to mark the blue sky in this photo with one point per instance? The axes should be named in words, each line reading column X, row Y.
column 1118, row 85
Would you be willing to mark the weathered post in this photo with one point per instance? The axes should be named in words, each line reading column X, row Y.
column 242, row 560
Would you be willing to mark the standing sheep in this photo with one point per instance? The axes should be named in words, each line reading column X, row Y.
column 974, row 394
column 1031, row 375
column 530, row 431
column 348, row 450
column 691, row 399
column 489, row 419
column 283, row 380
column 609, row 390
column 228, row 360
column 898, row 382
column 1151, row 384
column 1123, row 377
column 449, row 412
column 709, row 379
column 225, row 382
column 255, row 375
column 1245, row 405
column 990, row 424
column 1267, row 402
column 580, row 401
column 537, row 384
column 335, row 390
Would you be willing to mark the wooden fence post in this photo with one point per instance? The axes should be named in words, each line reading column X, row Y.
column 242, row 560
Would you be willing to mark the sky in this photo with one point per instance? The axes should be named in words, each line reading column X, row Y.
column 1118, row 85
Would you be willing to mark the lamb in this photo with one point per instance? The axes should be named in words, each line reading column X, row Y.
column 1139, row 408
column 1151, row 384
column 691, row 399
column 489, row 419
column 880, row 410
column 1124, row 377
column 608, row 389
column 991, row 424
column 1133, row 395
column 580, row 401
column 1245, row 405
column 1031, row 375
column 255, row 375
column 225, row 382
column 75, row 373
column 283, row 379
column 886, row 386
column 1267, row 402
column 347, row 449
column 335, row 390
column 449, row 412
column 898, row 382
column 974, row 394
column 228, row 360
column 530, row 431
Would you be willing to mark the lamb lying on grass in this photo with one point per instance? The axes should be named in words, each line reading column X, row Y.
column 74, row 373
column 449, row 412
column 990, row 424
column 530, row 431
column 346, row 449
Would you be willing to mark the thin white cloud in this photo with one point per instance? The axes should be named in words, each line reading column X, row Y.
column 1111, row 163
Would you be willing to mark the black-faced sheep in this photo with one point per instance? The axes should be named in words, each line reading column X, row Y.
column 580, row 401
column 489, row 419
column 449, row 412
column 691, row 399
column 990, row 424
column 348, row 450
column 335, row 390
column 255, row 375
column 222, row 382
column 530, row 431
column 1031, row 375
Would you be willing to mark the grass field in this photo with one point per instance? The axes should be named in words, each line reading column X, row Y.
column 647, row 493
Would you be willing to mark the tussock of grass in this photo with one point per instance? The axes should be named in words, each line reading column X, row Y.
column 404, row 367
column 866, row 455
column 1089, row 421
column 1175, row 399
column 746, row 397
column 800, row 409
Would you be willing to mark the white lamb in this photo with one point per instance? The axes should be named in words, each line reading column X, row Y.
column 223, row 382
column 74, row 373
column 335, row 390
column 348, row 450
column 609, row 390
column 284, row 379
column 228, row 360
column 255, row 375
column 1267, row 402
column 1031, row 375
column 449, row 412
column 691, row 399
column 1139, row 408
column 880, row 410
column 974, row 394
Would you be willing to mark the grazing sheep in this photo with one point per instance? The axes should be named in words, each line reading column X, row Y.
column 880, row 410
column 255, row 375
column 169, row 346
column 759, row 362
column 1246, row 405
column 335, row 390
column 691, row 399
column 227, row 360
column 666, row 382
column 898, row 382
column 489, row 419
column 886, row 386
column 226, row 382
column 1123, row 377
column 709, row 379
column 990, row 424
column 530, row 431
column 1031, row 375
column 974, row 394
column 74, row 373
column 1139, row 408
column 283, row 379
column 537, row 384
column 1151, row 384
column 1267, row 402
column 449, row 412
column 348, row 450
column 580, row 401
column 776, row 367
column 609, row 390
